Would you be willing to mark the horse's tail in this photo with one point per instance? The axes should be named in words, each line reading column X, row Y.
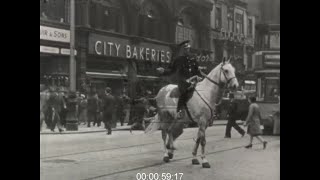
column 154, row 125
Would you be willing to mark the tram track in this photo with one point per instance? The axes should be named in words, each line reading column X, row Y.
column 161, row 163
column 116, row 148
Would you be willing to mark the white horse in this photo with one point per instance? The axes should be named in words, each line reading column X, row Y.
column 201, row 107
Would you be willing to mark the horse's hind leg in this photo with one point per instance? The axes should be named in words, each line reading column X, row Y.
column 164, row 138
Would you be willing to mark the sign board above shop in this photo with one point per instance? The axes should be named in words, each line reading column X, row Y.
column 123, row 48
column 54, row 34
column 55, row 50
column 272, row 60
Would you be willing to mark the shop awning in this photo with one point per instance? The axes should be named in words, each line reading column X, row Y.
column 148, row 77
column 268, row 71
column 106, row 75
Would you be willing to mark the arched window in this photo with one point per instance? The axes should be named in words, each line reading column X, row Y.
column 152, row 22
column 55, row 10
column 107, row 15
column 186, row 28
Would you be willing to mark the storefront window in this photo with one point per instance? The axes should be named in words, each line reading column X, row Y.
column 55, row 10
column 272, row 89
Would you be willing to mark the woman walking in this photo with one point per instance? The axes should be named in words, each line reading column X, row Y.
column 253, row 123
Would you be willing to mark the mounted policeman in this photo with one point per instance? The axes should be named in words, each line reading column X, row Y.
column 185, row 71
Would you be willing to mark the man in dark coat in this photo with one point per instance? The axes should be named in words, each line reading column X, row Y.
column 183, row 68
column 56, row 104
column 108, row 109
column 232, row 118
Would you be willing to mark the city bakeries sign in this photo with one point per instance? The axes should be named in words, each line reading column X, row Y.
column 54, row 34
column 123, row 48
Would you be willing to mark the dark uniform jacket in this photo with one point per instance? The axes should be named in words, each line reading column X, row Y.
column 183, row 67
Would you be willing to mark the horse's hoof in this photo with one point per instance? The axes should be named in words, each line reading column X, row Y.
column 206, row 165
column 195, row 162
column 170, row 155
column 166, row 159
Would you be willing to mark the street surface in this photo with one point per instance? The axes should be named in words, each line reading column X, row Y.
column 122, row 155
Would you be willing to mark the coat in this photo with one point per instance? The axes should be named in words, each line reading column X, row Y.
column 182, row 68
column 253, row 120
column 93, row 103
column 232, row 110
column 109, row 105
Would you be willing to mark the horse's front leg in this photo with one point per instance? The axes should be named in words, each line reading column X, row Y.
column 195, row 151
column 202, row 133
column 164, row 138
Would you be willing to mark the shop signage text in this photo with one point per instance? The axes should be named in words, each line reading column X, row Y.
column 54, row 34
column 47, row 49
column 55, row 50
column 116, row 47
column 272, row 60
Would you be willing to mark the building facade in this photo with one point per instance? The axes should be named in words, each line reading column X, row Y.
column 54, row 43
column 120, row 43
column 232, row 34
column 266, row 60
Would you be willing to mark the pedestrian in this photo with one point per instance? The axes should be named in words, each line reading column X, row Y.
column 140, row 110
column 63, row 112
column 93, row 108
column 232, row 118
column 253, row 123
column 55, row 104
column 108, row 110
column 100, row 111
column 120, row 108
column 83, row 109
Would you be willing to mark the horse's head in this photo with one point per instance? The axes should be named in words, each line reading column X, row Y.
column 228, row 74
column 224, row 75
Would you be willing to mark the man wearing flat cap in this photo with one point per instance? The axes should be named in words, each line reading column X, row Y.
column 183, row 68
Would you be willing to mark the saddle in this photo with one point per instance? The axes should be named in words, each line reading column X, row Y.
column 175, row 93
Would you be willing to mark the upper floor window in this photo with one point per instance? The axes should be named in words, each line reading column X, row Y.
column 107, row 15
column 152, row 22
column 250, row 27
column 55, row 10
column 218, row 20
column 239, row 23
column 186, row 29
column 230, row 20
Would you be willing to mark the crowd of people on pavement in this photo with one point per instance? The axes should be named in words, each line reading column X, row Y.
column 92, row 109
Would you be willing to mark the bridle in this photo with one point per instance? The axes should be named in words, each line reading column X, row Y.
column 220, row 83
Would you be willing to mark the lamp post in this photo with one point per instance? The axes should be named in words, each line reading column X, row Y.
column 72, row 118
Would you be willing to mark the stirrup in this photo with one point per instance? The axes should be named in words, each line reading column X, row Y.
column 179, row 114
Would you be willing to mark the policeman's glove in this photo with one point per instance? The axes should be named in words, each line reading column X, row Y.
column 160, row 69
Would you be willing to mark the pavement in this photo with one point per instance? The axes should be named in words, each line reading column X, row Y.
column 125, row 156
column 94, row 129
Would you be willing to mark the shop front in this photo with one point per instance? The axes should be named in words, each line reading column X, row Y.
column 54, row 56
column 125, row 63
